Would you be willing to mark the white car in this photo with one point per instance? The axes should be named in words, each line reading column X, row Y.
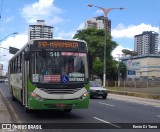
column 97, row 90
column 6, row 80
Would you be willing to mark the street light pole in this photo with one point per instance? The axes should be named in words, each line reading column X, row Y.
column 8, row 36
column 118, row 66
column 4, row 48
column 2, row 56
column 5, row 38
column 105, row 11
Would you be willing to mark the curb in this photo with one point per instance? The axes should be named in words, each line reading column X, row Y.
column 4, row 112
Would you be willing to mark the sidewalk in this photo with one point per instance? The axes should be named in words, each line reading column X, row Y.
column 145, row 101
column 4, row 113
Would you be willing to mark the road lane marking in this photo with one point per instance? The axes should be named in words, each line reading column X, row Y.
column 105, row 104
column 142, row 103
column 157, row 106
column 106, row 122
column 137, row 102
column 158, row 115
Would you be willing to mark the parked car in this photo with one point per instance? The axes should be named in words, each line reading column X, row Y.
column 97, row 90
column 6, row 80
column 2, row 81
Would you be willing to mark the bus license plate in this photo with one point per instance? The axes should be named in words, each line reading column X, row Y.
column 60, row 105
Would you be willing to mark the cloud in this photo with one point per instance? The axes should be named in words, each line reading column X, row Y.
column 81, row 26
column 69, row 34
column 117, row 52
column 54, row 20
column 99, row 12
column 18, row 42
column 43, row 9
column 58, row 37
column 129, row 32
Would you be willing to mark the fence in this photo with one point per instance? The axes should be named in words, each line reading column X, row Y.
column 147, row 88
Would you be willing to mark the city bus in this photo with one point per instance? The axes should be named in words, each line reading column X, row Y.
column 50, row 74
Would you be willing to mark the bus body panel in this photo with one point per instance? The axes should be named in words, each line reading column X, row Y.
column 16, row 85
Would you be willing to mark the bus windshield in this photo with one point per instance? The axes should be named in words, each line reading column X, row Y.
column 58, row 67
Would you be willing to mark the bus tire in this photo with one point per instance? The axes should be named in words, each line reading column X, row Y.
column 27, row 110
column 67, row 110
column 12, row 96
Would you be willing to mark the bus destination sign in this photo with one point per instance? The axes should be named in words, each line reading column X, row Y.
column 57, row 44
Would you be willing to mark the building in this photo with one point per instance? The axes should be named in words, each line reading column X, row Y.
column 1, row 69
column 146, row 43
column 143, row 67
column 98, row 22
column 40, row 30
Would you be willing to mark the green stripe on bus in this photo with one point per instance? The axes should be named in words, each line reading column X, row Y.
column 87, row 87
column 31, row 87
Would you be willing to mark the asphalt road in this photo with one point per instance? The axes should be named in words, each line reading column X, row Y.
column 111, row 111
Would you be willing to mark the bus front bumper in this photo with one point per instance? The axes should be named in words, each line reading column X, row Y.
column 41, row 104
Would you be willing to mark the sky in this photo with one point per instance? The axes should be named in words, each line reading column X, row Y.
column 68, row 16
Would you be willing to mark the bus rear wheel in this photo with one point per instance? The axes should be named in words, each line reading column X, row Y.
column 12, row 96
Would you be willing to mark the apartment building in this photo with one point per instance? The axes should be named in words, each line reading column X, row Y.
column 98, row 22
column 40, row 30
column 146, row 43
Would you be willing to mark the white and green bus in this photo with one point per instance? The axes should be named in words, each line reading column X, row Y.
column 50, row 74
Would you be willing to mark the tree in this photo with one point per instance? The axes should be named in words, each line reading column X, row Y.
column 122, row 70
column 95, row 40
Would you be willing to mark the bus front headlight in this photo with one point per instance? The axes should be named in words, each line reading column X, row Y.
column 36, row 96
column 84, row 95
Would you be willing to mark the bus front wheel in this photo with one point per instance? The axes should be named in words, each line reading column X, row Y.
column 67, row 110
column 27, row 110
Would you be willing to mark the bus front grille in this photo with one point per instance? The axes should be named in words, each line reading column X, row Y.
column 60, row 90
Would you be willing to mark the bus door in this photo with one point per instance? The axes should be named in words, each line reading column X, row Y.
column 25, row 67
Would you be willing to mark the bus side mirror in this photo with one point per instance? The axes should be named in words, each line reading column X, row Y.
column 27, row 55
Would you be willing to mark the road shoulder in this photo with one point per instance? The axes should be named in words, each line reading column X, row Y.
column 4, row 113
column 145, row 101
